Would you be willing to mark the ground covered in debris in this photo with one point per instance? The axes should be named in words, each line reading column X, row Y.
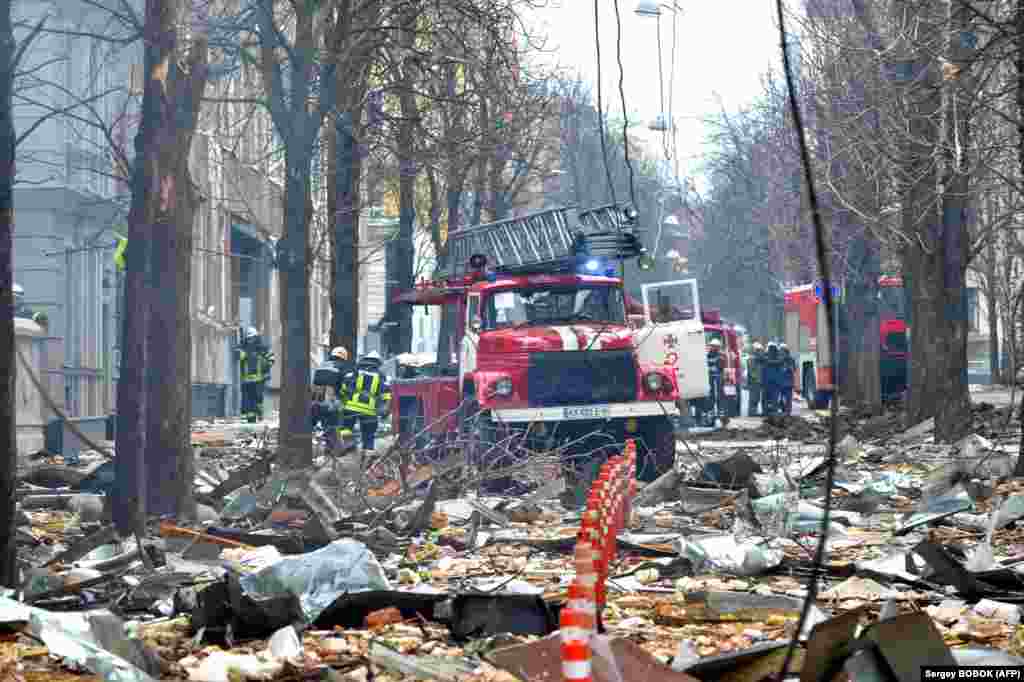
column 324, row 574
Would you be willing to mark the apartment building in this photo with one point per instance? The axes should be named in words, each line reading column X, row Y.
column 70, row 207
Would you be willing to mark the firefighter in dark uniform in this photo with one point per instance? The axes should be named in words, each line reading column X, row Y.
column 774, row 378
column 755, row 377
column 255, row 361
column 711, row 408
column 327, row 409
column 368, row 398
column 788, row 376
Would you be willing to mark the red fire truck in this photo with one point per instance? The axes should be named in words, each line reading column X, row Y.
column 807, row 337
column 542, row 346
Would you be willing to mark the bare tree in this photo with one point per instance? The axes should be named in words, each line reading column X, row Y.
column 8, row 371
column 154, row 392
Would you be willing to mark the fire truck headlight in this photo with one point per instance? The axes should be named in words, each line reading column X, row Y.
column 503, row 387
column 654, row 381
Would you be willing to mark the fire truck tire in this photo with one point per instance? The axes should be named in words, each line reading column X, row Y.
column 656, row 450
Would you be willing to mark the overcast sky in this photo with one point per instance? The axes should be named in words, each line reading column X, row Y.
column 722, row 48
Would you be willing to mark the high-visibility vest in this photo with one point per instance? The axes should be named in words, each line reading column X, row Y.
column 120, row 253
column 253, row 366
column 364, row 399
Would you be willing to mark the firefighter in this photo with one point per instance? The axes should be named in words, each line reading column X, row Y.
column 327, row 411
column 716, row 367
column 368, row 398
column 255, row 361
column 788, row 375
column 755, row 372
column 772, row 378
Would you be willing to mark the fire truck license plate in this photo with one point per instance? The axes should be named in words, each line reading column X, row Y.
column 729, row 390
column 586, row 413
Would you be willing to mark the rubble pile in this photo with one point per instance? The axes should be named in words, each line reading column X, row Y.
column 336, row 574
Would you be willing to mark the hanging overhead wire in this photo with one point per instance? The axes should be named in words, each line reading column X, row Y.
column 625, row 113
column 671, row 96
column 661, row 91
column 600, row 104
column 823, row 266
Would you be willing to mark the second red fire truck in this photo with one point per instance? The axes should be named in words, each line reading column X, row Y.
column 807, row 337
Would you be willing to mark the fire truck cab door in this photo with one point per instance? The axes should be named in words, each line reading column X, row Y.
column 470, row 339
column 673, row 334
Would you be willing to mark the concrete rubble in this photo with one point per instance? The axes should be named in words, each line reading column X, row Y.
column 328, row 575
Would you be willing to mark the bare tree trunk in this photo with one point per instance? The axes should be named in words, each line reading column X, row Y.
column 480, row 181
column 133, row 406
column 400, row 334
column 1020, row 158
column 991, row 297
column 163, row 212
column 8, row 365
column 937, row 266
column 863, row 354
column 341, row 206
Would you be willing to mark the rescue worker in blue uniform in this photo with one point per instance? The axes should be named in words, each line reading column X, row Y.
column 255, row 361
column 368, row 397
column 773, row 379
column 788, row 375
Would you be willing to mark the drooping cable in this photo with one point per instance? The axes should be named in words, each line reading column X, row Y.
column 625, row 113
column 671, row 97
column 823, row 266
column 600, row 104
column 661, row 91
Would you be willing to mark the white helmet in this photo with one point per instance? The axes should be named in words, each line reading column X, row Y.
column 715, row 343
column 18, row 290
column 339, row 352
column 251, row 333
column 372, row 356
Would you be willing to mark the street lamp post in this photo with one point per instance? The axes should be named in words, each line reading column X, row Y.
column 664, row 123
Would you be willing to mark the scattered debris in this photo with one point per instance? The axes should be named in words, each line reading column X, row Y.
column 289, row 573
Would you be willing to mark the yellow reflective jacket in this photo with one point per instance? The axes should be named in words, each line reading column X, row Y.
column 255, row 365
column 120, row 253
column 365, row 393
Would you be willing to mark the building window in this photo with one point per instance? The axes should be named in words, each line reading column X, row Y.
column 973, row 312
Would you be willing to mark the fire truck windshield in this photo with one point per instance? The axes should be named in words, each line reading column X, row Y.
column 527, row 306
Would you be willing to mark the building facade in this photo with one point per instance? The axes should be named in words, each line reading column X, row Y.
column 71, row 206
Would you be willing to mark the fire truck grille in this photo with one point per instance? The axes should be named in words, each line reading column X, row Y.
column 581, row 377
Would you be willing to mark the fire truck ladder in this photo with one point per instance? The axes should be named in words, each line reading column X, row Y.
column 540, row 239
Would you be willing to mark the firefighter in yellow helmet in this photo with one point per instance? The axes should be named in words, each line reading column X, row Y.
column 369, row 398
column 330, row 377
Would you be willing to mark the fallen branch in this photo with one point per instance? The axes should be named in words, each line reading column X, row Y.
column 168, row 530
